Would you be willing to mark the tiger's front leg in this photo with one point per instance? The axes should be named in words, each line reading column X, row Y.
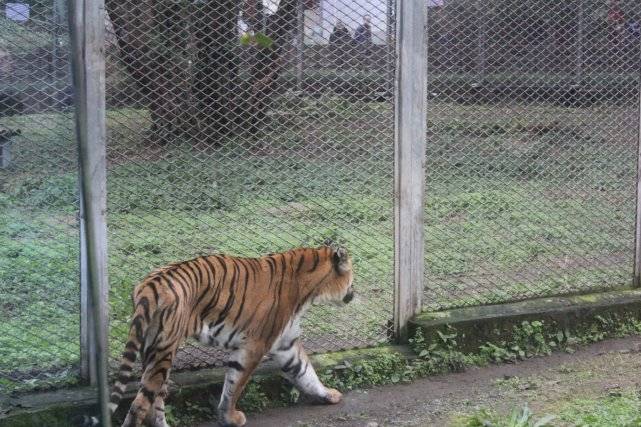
column 297, row 368
column 240, row 366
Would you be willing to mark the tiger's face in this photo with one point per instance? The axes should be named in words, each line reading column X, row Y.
column 336, row 286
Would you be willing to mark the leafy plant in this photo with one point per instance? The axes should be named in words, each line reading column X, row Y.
column 384, row 368
column 519, row 417
column 254, row 398
column 259, row 39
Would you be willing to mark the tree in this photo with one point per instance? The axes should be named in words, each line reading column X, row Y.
column 183, row 55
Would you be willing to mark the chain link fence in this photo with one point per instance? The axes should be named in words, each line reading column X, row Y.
column 39, row 290
column 254, row 127
column 532, row 146
column 250, row 128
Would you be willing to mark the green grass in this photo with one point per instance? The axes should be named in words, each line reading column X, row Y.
column 17, row 39
column 618, row 409
column 517, row 206
column 519, row 417
column 621, row 409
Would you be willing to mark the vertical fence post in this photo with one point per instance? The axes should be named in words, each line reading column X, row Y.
column 389, row 48
column 87, row 26
column 578, row 66
column 87, row 337
column 410, row 132
column 481, row 39
column 636, row 281
column 300, row 44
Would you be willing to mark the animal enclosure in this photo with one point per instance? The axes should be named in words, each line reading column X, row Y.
column 254, row 127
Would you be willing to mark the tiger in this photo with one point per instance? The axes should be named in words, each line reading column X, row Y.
column 250, row 306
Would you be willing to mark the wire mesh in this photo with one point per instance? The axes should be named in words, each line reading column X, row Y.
column 39, row 290
column 531, row 158
column 254, row 127
column 247, row 128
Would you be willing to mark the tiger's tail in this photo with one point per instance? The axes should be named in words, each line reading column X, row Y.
column 137, row 333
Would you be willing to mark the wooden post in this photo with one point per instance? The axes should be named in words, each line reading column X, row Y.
column 409, row 160
column 87, row 24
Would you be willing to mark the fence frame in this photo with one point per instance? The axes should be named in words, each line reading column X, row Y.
column 86, row 18
column 410, row 133
column 87, row 32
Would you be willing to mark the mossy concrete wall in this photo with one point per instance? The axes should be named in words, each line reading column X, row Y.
column 67, row 407
column 476, row 326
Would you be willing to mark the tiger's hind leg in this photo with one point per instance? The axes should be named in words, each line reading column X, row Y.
column 156, row 416
column 240, row 366
column 293, row 361
column 148, row 404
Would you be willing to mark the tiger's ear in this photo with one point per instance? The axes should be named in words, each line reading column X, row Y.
column 341, row 260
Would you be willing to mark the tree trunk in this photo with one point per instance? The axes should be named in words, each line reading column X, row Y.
column 153, row 43
column 215, row 79
column 181, row 54
column 268, row 63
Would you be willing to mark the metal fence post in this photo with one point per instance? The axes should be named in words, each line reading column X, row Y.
column 87, row 26
column 636, row 281
column 410, row 133
column 389, row 47
column 578, row 66
column 481, row 40
column 300, row 44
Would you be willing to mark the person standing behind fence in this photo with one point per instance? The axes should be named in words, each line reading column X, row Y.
column 363, row 38
column 340, row 40
column 363, row 34
column 616, row 21
column 616, row 33
column 633, row 30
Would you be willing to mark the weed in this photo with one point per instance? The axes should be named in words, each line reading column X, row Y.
column 527, row 339
column 519, row 417
column 254, row 398
column 384, row 368
column 621, row 410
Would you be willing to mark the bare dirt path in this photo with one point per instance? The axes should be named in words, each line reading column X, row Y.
column 543, row 382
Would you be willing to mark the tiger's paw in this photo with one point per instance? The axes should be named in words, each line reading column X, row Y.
column 234, row 419
column 333, row 396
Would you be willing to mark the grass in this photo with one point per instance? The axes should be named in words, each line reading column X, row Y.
column 518, row 205
column 16, row 39
column 620, row 409
column 519, row 417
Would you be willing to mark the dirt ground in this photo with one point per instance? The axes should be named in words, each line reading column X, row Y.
column 544, row 383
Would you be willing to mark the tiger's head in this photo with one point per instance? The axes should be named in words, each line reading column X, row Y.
column 333, row 277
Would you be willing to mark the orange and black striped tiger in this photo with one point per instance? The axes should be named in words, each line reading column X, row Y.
column 251, row 306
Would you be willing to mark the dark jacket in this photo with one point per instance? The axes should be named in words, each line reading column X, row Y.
column 363, row 34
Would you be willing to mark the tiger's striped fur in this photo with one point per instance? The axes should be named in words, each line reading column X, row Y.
column 251, row 306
